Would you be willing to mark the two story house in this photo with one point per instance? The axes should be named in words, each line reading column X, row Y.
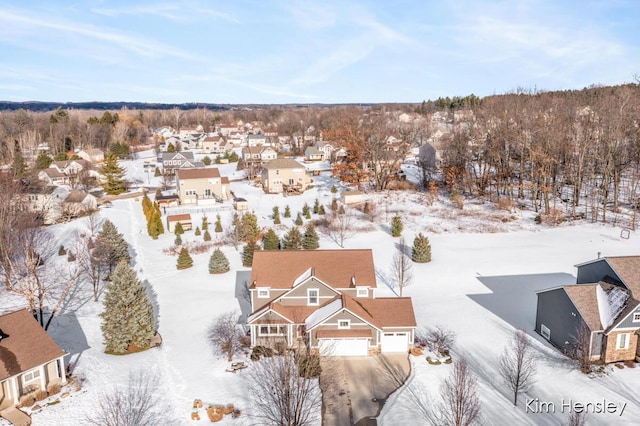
column 215, row 145
column 284, row 174
column 201, row 185
column 172, row 161
column 325, row 301
column 603, row 303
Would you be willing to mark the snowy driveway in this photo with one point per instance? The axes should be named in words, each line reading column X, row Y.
column 355, row 388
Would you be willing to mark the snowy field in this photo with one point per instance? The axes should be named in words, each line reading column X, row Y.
column 481, row 284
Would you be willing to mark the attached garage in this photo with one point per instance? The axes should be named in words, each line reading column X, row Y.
column 394, row 342
column 344, row 347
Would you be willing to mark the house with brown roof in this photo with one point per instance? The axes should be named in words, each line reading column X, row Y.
column 196, row 186
column 29, row 358
column 182, row 219
column 603, row 305
column 215, row 145
column 284, row 174
column 78, row 203
column 93, row 155
column 325, row 301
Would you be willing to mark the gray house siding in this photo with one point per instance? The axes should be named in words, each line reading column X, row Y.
column 556, row 311
column 595, row 272
column 627, row 322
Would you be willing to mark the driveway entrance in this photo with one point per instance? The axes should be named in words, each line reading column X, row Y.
column 355, row 388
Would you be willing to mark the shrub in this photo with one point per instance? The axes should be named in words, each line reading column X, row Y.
column 259, row 351
column 396, row 226
column 433, row 361
column 62, row 251
column 421, row 251
column 309, row 366
column 71, row 257
column 27, row 400
column 54, row 388
column 40, row 395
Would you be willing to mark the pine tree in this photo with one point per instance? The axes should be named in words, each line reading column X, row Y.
column 292, row 240
column 110, row 247
column 62, row 251
column 19, row 165
column 334, row 190
column 305, row 210
column 250, row 229
column 218, row 224
column 218, row 262
column 298, row 220
column 316, row 206
column 287, row 212
column 205, row 222
column 178, row 240
column 178, row 229
column 128, row 317
column 197, row 231
column 43, row 161
column 421, row 251
column 396, row 226
column 154, row 225
column 171, row 148
column 113, row 174
column 341, row 210
column 334, row 205
column 71, row 257
column 276, row 215
column 157, row 172
column 184, row 259
column 206, row 236
column 321, row 209
column 270, row 241
column 310, row 241
column 159, row 193
column 366, row 209
column 147, row 207
column 247, row 252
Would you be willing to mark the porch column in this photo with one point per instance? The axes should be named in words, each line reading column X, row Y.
column 43, row 382
column 62, row 370
column 253, row 335
column 13, row 383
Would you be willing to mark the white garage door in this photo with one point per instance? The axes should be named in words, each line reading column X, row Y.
column 395, row 342
column 344, row 347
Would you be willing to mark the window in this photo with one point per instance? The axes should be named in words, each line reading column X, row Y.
column 207, row 193
column 622, row 341
column 344, row 324
column 31, row 375
column 277, row 172
column 291, row 181
column 312, row 296
column 636, row 317
column 272, row 330
column 190, row 192
column 363, row 292
column 263, row 293
column 544, row 330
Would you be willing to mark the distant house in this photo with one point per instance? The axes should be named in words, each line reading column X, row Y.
column 186, row 131
column 312, row 153
column 44, row 201
column 256, row 140
column 215, row 145
column 29, row 358
column 198, row 185
column 78, row 203
column 308, row 299
column 52, row 176
column 327, row 149
column 226, row 129
column 93, row 155
column 284, row 174
column 172, row 161
column 183, row 219
column 602, row 306
column 258, row 155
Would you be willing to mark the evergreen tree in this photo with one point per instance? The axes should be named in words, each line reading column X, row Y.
column 421, row 251
column 287, row 212
column 310, row 241
column 157, row 172
column 206, row 236
column 247, row 252
column 206, row 160
column 178, row 240
column 197, row 231
column 341, row 209
column 113, row 174
column 171, row 148
column 19, row 165
column 240, row 165
column 184, row 259
column 366, row 209
column 62, row 251
column 334, row 205
column 154, row 225
column 158, row 193
column 305, row 210
column 218, row 224
column 43, row 161
column 218, row 263
column 270, row 241
column 128, row 317
column 205, row 222
column 396, row 226
column 276, row 215
column 147, row 207
column 334, row 190
column 71, row 257
column 110, row 247
column 321, row 209
column 250, row 229
column 292, row 239
column 178, row 229
column 316, row 207
column 298, row 220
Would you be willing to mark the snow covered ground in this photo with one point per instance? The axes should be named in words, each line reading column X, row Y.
column 486, row 267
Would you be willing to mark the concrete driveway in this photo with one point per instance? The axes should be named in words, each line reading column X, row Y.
column 354, row 389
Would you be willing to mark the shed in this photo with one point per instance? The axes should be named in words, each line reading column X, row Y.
column 351, row 197
column 168, row 200
column 174, row 219
column 240, row 204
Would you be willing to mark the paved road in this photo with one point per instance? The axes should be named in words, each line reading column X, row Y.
column 355, row 388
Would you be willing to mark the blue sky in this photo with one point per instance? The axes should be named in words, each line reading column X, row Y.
column 305, row 51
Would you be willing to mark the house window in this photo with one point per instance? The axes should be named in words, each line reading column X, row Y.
column 31, row 375
column 622, row 341
column 263, row 293
column 277, row 172
column 363, row 292
column 636, row 317
column 344, row 324
column 291, row 181
column 190, row 192
column 272, row 330
column 207, row 193
column 312, row 296
column 544, row 330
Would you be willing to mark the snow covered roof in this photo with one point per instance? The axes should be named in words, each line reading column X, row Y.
column 323, row 313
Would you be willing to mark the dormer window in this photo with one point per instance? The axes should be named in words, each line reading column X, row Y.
column 362, row 292
column 263, row 293
column 312, row 296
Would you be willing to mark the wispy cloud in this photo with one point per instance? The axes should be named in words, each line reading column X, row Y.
column 310, row 16
column 178, row 12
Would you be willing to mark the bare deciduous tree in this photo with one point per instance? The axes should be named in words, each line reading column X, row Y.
column 582, row 347
column 139, row 404
column 280, row 395
column 340, row 227
column 401, row 267
column 577, row 419
column 460, row 405
column 440, row 339
column 225, row 334
column 517, row 365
